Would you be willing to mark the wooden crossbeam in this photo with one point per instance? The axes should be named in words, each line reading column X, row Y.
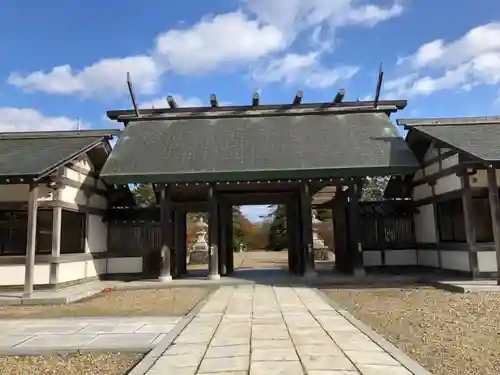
column 340, row 96
column 255, row 99
column 213, row 101
column 379, row 85
column 298, row 97
column 132, row 95
column 171, row 102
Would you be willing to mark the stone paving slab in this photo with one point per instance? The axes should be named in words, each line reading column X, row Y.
column 28, row 336
column 259, row 329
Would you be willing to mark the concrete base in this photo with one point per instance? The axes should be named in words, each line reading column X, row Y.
column 165, row 278
column 310, row 274
column 359, row 273
column 213, row 277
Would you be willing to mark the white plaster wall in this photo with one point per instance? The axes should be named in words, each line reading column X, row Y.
column 418, row 175
column 14, row 275
column 406, row 257
column 450, row 161
column 448, row 183
column 432, row 169
column 480, row 179
column 455, row 260
column 125, row 265
column 429, row 258
column 97, row 241
column 20, row 193
column 487, row 261
column 95, row 267
column 372, row 258
column 84, row 162
column 421, row 191
column 424, row 224
column 77, row 196
column 72, row 271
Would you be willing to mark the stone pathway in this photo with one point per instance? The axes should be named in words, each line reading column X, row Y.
column 28, row 336
column 272, row 330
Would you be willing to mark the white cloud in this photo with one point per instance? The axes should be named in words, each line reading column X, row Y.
column 214, row 42
column 105, row 77
column 179, row 99
column 306, row 70
column 472, row 60
column 27, row 119
column 263, row 29
column 255, row 213
column 294, row 16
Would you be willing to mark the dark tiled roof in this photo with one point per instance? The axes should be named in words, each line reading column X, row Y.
column 479, row 140
column 253, row 148
column 33, row 155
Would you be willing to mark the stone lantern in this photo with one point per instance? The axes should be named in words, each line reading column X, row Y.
column 319, row 247
column 198, row 254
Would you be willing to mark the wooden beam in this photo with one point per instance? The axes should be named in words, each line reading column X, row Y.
column 29, row 269
column 298, row 97
column 355, row 228
column 255, row 99
column 171, row 102
column 495, row 213
column 307, row 235
column 132, row 95
column 213, row 234
column 379, row 86
column 340, row 96
column 167, row 233
column 470, row 227
column 213, row 101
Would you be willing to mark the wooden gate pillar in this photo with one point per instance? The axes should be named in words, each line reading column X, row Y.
column 495, row 213
column 356, row 249
column 306, row 223
column 167, row 233
column 213, row 234
column 180, row 242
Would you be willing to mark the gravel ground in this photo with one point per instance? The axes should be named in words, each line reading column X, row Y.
column 447, row 333
column 145, row 302
column 70, row 364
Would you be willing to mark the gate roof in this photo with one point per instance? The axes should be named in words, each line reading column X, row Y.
column 299, row 143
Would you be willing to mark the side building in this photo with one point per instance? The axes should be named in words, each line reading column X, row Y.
column 52, row 206
column 454, row 193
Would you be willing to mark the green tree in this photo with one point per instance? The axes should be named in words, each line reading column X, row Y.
column 278, row 238
column 144, row 195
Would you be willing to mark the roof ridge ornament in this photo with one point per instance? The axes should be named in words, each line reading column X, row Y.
column 379, row 85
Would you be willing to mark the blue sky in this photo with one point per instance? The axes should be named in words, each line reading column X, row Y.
column 63, row 60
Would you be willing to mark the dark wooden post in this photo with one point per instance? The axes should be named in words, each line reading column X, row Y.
column 56, row 243
column 167, row 233
column 29, row 269
column 290, row 230
column 213, row 234
column 495, row 213
column 307, row 237
column 223, row 249
column 183, row 243
column 470, row 228
column 229, row 241
column 180, row 241
column 354, row 228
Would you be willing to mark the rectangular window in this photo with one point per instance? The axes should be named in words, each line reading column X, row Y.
column 482, row 219
column 73, row 229
column 14, row 232
column 451, row 221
